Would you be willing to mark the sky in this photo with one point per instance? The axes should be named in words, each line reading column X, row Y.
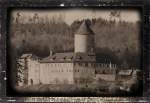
column 69, row 15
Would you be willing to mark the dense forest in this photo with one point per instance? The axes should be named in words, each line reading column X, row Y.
column 117, row 41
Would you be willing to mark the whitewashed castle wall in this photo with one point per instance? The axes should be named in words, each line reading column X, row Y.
column 56, row 73
column 33, row 71
column 66, row 73
column 49, row 73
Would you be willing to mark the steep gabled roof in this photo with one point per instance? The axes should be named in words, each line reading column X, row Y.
column 84, row 29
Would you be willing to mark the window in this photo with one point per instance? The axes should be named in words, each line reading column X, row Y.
column 83, row 64
column 83, row 70
column 79, row 57
column 93, row 65
column 65, row 57
column 86, row 64
column 80, row 64
column 101, row 65
column 105, row 65
column 54, row 58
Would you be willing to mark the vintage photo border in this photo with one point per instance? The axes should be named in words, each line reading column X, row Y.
column 143, row 4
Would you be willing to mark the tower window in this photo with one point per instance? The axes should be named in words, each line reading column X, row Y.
column 86, row 64
column 80, row 64
column 79, row 57
column 71, row 57
column 54, row 58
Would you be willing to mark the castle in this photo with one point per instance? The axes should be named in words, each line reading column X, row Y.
column 75, row 67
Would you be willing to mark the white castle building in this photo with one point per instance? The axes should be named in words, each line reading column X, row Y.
column 75, row 67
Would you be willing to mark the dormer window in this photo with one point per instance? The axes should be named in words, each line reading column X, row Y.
column 54, row 58
column 79, row 57
column 71, row 57
column 65, row 57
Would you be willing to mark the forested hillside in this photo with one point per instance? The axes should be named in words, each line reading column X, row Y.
column 117, row 41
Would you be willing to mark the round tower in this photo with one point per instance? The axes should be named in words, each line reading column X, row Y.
column 84, row 39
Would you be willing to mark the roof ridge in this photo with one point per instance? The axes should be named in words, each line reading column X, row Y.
column 85, row 29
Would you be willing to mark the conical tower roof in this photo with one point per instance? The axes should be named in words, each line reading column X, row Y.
column 84, row 29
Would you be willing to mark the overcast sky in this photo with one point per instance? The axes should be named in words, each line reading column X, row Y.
column 70, row 15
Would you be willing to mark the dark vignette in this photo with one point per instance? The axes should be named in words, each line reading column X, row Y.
column 9, row 86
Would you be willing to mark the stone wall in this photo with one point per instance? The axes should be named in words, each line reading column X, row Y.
column 84, row 72
column 102, row 68
column 106, row 77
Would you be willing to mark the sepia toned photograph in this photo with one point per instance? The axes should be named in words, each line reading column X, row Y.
column 75, row 52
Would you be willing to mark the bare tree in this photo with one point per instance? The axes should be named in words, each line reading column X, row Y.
column 115, row 14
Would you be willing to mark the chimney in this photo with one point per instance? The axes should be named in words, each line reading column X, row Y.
column 50, row 52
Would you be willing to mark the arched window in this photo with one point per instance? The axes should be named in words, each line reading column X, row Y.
column 31, row 80
column 103, row 72
column 94, row 65
column 86, row 64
